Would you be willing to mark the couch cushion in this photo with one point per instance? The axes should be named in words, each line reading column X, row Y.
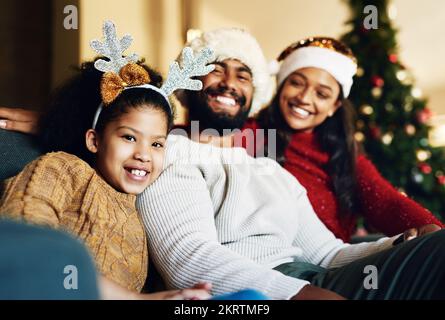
column 16, row 151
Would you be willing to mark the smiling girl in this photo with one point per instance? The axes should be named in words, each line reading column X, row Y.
column 112, row 128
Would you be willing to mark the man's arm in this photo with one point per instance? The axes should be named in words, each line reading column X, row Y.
column 178, row 214
column 20, row 120
column 321, row 247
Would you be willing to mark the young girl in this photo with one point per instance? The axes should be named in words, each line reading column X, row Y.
column 118, row 124
column 315, row 142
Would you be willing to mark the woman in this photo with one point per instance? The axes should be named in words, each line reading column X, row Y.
column 315, row 142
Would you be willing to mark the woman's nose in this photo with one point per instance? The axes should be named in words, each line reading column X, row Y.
column 304, row 96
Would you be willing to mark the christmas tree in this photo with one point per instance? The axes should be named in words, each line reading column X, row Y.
column 392, row 117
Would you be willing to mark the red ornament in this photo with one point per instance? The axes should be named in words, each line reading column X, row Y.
column 441, row 180
column 377, row 81
column 424, row 115
column 425, row 168
column 375, row 132
column 393, row 58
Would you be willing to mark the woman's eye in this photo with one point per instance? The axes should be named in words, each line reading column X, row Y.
column 129, row 138
column 323, row 96
column 296, row 83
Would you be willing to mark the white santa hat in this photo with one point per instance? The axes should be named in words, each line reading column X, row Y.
column 321, row 52
column 233, row 43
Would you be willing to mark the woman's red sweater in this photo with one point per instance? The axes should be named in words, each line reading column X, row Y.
column 383, row 207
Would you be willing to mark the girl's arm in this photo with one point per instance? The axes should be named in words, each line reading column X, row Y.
column 109, row 290
column 385, row 208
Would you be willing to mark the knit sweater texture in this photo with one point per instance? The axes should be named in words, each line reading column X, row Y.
column 62, row 191
column 219, row 215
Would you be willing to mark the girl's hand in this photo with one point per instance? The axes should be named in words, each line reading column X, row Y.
column 110, row 290
column 195, row 293
column 20, row 120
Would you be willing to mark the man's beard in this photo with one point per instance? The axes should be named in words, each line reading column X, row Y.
column 200, row 111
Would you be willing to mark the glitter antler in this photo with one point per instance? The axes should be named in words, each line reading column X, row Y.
column 112, row 48
column 191, row 67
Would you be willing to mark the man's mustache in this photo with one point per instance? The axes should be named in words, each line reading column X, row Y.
column 240, row 99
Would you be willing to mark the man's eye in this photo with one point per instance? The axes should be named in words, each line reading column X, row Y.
column 129, row 138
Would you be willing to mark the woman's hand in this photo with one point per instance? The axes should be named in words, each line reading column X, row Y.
column 418, row 232
column 20, row 120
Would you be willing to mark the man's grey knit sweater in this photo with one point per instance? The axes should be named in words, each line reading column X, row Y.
column 218, row 215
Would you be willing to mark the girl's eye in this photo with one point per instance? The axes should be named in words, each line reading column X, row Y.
column 129, row 138
column 157, row 145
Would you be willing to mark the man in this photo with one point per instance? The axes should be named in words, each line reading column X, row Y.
column 211, row 218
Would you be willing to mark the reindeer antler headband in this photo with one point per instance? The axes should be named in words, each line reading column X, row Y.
column 122, row 73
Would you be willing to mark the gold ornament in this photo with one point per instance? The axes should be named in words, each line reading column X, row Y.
column 416, row 93
column 376, row 92
column 423, row 155
column 366, row 109
column 387, row 138
column 401, row 75
column 359, row 136
column 360, row 72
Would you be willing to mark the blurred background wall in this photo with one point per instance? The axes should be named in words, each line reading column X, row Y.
column 37, row 52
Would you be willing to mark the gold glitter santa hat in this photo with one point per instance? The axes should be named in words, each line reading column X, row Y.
column 320, row 52
column 123, row 73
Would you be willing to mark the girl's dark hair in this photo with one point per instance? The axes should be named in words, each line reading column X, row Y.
column 72, row 108
column 335, row 135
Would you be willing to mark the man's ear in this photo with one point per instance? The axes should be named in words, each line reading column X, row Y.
column 92, row 140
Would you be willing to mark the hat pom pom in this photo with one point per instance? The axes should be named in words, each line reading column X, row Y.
column 274, row 67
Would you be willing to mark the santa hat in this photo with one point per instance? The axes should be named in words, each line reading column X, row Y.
column 233, row 43
column 319, row 52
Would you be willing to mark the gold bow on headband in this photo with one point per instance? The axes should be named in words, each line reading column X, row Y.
column 113, row 84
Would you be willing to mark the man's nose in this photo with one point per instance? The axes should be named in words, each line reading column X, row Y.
column 229, row 81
